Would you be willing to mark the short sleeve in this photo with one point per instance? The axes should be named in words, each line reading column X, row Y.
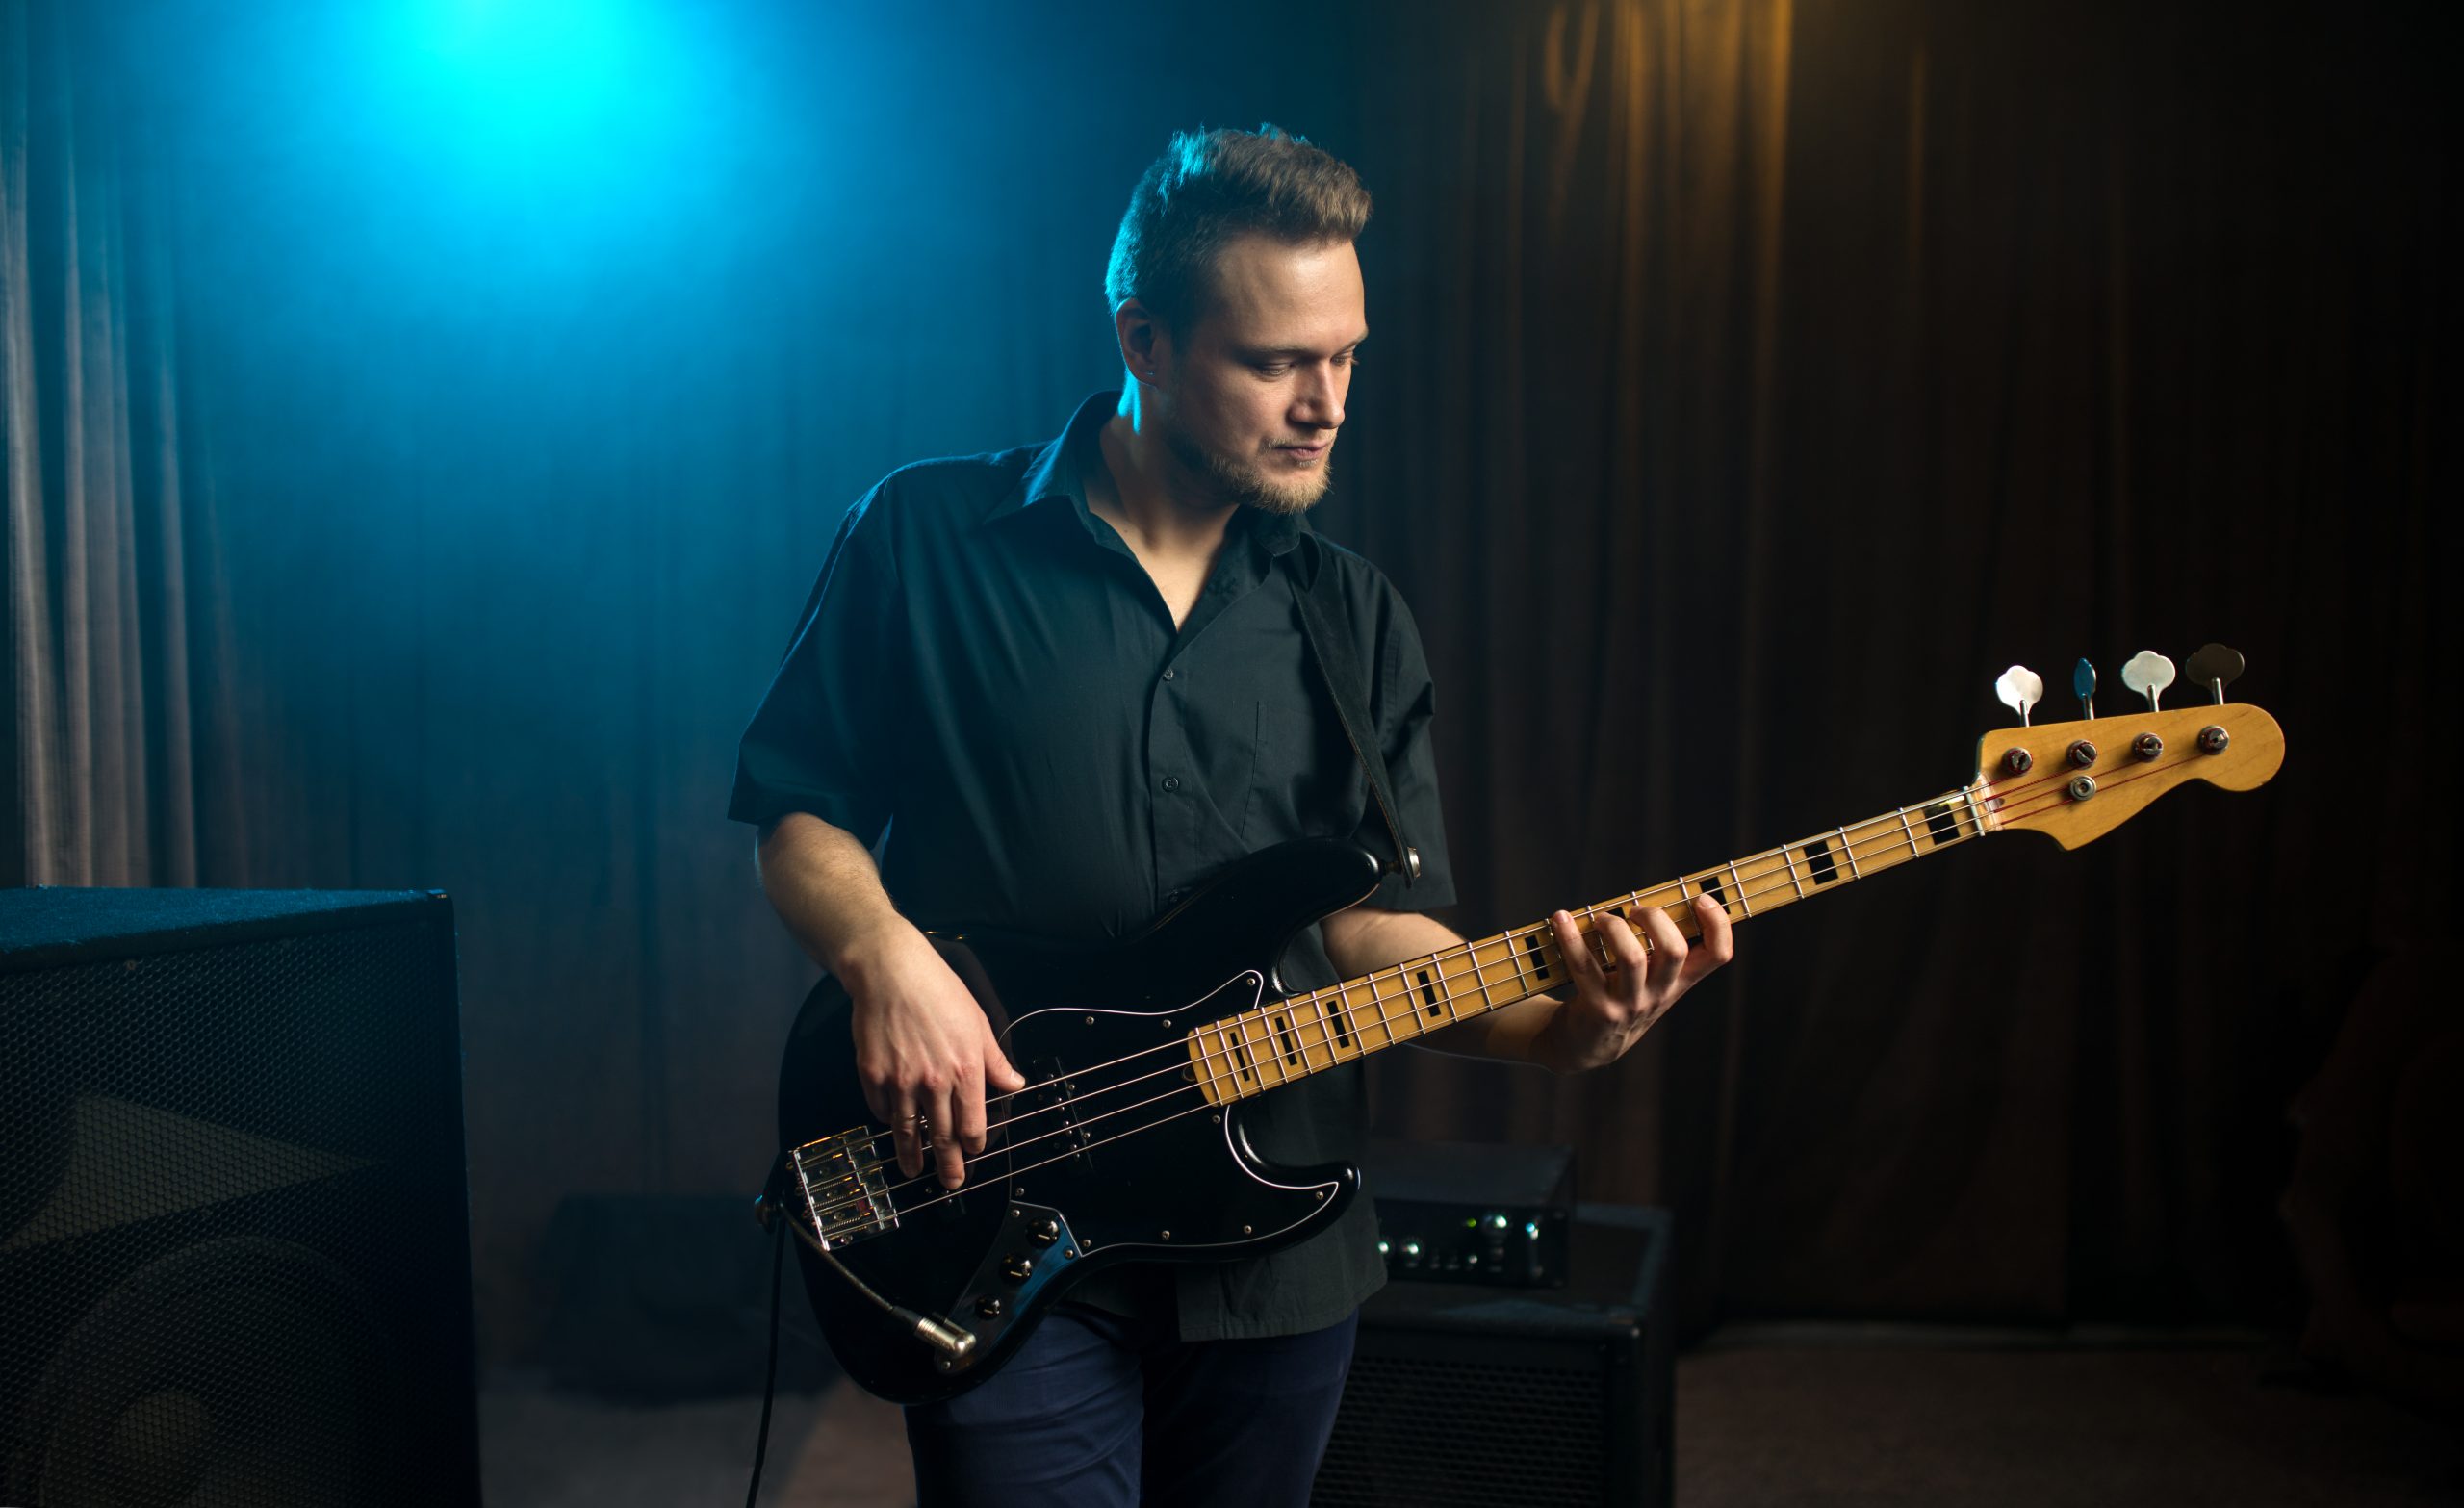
column 1403, row 700
column 821, row 741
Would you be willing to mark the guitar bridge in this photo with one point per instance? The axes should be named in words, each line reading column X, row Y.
column 842, row 1184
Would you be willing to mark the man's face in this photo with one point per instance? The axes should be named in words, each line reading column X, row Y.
column 1253, row 392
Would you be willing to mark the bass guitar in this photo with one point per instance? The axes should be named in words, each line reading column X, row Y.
column 1127, row 1142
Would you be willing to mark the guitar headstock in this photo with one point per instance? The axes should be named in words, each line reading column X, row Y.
column 2077, row 781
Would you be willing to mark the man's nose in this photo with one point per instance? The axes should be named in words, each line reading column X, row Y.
column 1319, row 402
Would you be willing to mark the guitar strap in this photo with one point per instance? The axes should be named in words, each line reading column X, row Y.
column 1348, row 689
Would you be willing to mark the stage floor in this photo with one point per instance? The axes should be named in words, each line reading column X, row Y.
column 1771, row 1418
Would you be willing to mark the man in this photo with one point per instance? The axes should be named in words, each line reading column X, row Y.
column 1059, row 686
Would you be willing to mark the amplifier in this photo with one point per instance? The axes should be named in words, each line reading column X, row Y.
column 1464, row 1396
column 1452, row 1211
column 233, row 1224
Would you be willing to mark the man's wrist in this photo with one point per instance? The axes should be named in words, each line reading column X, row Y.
column 866, row 954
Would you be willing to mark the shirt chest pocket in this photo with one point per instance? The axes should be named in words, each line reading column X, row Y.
column 1305, row 780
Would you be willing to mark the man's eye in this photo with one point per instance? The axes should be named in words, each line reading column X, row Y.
column 1273, row 368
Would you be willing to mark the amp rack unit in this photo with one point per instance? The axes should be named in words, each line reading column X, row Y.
column 1451, row 1211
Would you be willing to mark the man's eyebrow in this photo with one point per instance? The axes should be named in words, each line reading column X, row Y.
column 1256, row 352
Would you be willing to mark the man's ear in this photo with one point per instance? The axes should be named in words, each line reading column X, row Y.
column 1145, row 345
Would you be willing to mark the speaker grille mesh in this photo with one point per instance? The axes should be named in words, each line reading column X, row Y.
column 1462, row 1434
column 233, row 1228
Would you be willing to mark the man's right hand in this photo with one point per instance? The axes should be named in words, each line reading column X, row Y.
column 924, row 1050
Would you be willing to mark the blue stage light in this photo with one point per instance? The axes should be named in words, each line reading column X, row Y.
column 553, row 93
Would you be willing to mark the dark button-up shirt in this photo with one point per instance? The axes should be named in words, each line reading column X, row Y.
column 987, row 687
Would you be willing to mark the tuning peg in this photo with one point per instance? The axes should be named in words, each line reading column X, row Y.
column 2019, row 688
column 2083, row 680
column 2149, row 673
column 2214, row 666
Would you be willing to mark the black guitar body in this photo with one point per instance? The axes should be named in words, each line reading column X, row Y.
column 1111, row 1154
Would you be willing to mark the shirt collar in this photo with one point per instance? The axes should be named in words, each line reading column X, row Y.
column 1059, row 472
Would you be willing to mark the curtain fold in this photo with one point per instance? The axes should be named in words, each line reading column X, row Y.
column 99, row 650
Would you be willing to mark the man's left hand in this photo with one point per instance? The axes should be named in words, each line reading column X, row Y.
column 1614, row 1004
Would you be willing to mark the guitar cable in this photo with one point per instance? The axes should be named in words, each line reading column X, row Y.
column 770, row 1371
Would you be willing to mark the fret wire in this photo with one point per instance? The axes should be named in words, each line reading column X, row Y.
column 1789, row 856
column 1379, row 1005
column 1914, row 851
column 1378, row 999
column 1741, row 898
column 1848, row 850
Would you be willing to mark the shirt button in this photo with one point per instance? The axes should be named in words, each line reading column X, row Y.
column 1170, row 672
column 1171, row 782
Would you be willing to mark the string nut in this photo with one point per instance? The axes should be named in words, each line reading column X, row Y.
column 2083, row 753
column 2214, row 740
column 2017, row 761
column 2148, row 746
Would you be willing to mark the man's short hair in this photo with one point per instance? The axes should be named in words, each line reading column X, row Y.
column 1211, row 187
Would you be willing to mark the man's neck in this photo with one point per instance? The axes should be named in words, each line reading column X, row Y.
column 1149, row 500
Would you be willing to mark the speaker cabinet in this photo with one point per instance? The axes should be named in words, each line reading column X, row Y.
column 1465, row 1396
column 234, row 1213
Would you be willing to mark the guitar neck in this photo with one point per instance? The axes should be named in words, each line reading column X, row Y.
column 1284, row 1040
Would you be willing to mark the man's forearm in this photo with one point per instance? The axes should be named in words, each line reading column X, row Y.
column 825, row 886
column 1363, row 940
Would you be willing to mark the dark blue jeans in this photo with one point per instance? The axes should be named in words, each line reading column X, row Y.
column 1100, row 1412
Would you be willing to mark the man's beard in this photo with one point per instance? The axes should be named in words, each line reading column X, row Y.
column 1229, row 482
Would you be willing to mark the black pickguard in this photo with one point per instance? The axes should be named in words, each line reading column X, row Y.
column 1112, row 1143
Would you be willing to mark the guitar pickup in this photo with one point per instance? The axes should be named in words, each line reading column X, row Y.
column 843, row 1185
column 1051, row 1133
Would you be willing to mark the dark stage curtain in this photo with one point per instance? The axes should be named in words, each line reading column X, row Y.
column 1751, row 384
column 1780, row 373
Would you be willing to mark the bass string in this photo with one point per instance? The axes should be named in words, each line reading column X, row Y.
column 1210, row 1056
